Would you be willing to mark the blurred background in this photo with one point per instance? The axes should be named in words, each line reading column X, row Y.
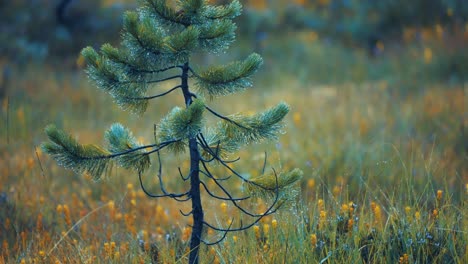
column 307, row 38
column 378, row 91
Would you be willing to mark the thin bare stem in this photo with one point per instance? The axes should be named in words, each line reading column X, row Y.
column 220, row 239
column 158, row 146
column 222, row 198
column 225, row 118
column 185, row 214
column 182, row 176
column 204, row 144
column 270, row 210
column 152, row 81
column 160, row 195
column 228, row 194
column 154, row 96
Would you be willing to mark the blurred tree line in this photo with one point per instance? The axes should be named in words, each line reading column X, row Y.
column 361, row 22
column 39, row 29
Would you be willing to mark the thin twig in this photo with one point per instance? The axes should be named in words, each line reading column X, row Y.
column 204, row 144
column 75, row 225
column 8, row 120
column 154, row 96
column 222, row 237
column 151, row 81
column 39, row 161
column 222, row 198
column 264, row 163
column 233, row 200
column 182, row 176
column 172, row 195
column 225, row 118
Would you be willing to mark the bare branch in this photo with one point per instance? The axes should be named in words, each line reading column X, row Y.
column 164, row 79
column 233, row 200
column 157, row 195
column 153, row 81
column 154, row 96
column 159, row 147
column 220, row 239
column 182, row 176
column 175, row 196
column 204, row 144
column 264, row 163
column 186, row 214
column 225, row 118
column 209, row 175
column 194, row 73
column 272, row 209
column 222, row 198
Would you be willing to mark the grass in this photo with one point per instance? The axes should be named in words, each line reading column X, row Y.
column 385, row 175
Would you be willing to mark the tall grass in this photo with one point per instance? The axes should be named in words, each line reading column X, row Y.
column 385, row 178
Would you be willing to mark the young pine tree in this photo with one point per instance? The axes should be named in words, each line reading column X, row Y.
column 157, row 42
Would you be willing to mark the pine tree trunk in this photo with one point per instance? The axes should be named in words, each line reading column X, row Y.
column 197, row 210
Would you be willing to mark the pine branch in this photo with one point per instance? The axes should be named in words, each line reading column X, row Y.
column 152, row 44
column 155, row 96
column 72, row 155
column 107, row 76
column 152, row 81
column 225, row 118
column 229, row 11
column 134, row 67
column 144, row 31
column 191, row 8
column 266, row 185
column 182, row 42
column 235, row 131
column 120, row 139
column 175, row 196
column 91, row 158
column 165, row 13
column 216, row 35
column 228, row 79
column 255, row 128
column 182, row 123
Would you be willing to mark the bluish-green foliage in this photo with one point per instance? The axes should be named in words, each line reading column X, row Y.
column 158, row 40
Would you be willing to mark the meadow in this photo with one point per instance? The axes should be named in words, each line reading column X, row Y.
column 382, row 145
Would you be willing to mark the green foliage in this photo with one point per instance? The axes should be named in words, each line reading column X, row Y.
column 229, row 11
column 181, row 124
column 164, row 13
column 216, row 36
column 157, row 41
column 108, row 76
column 145, row 32
column 268, row 184
column 250, row 129
column 239, row 130
column 92, row 159
column 72, row 155
column 186, row 41
column 230, row 78
column 40, row 31
column 121, row 140
column 157, row 37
